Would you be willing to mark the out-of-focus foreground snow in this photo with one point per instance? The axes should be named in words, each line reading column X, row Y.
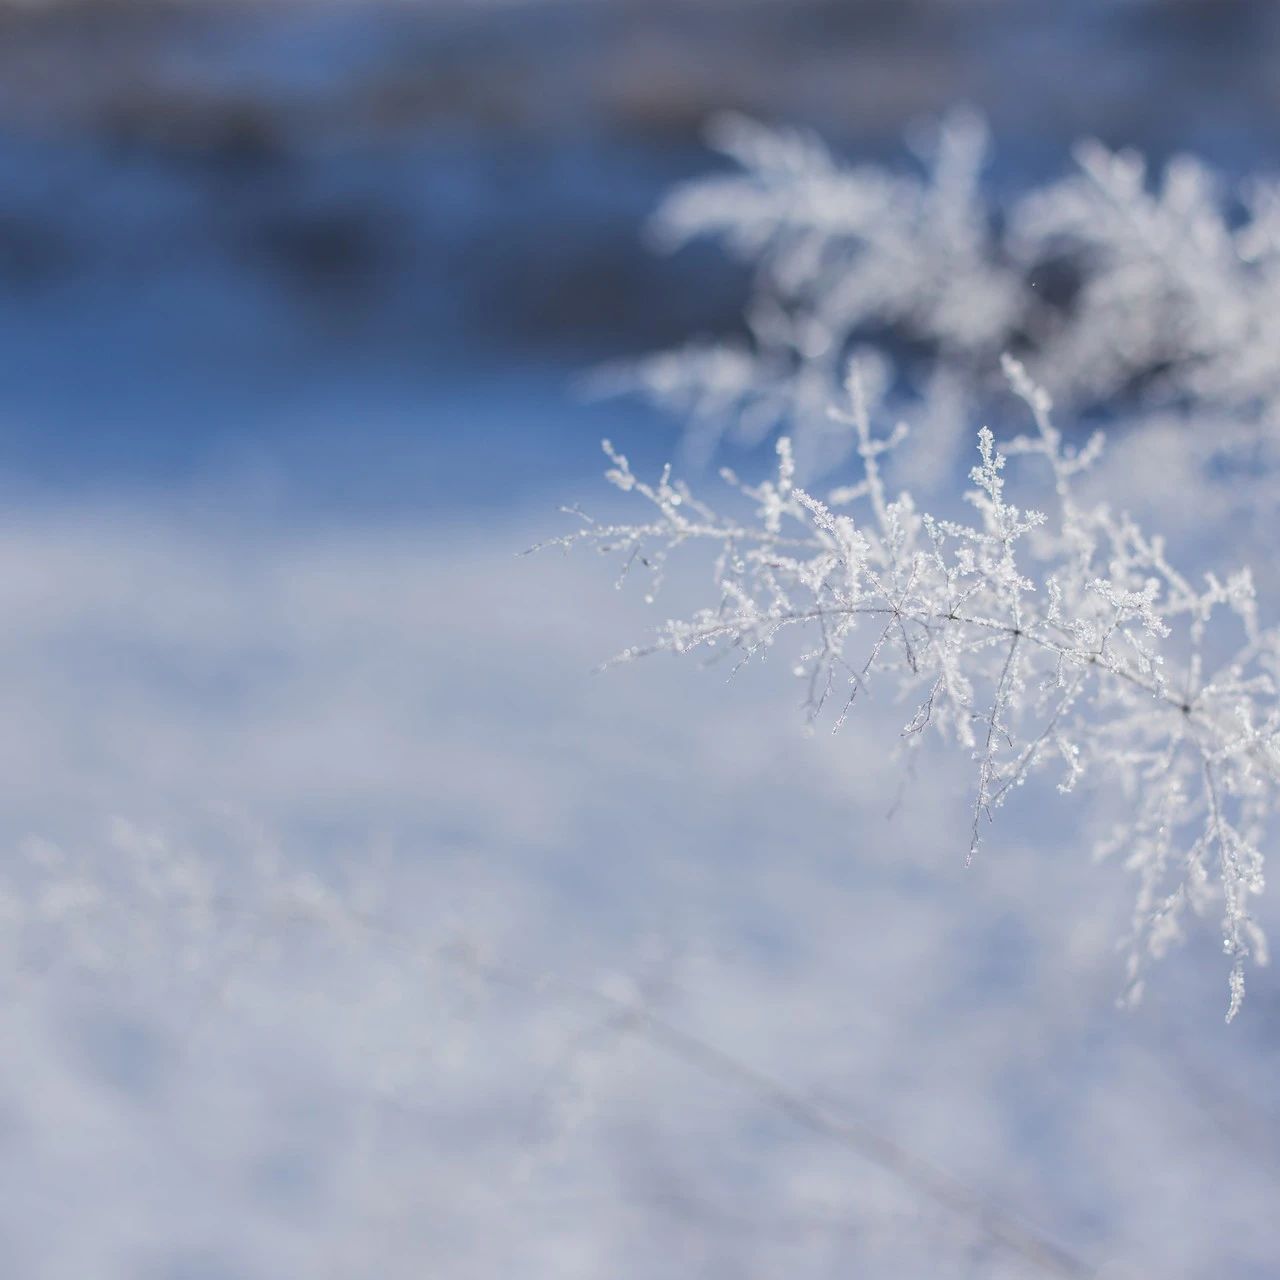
column 320, row 844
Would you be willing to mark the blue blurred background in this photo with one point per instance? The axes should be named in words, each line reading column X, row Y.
column 333, row 254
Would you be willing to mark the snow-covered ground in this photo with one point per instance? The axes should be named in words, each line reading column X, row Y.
column 335, row 880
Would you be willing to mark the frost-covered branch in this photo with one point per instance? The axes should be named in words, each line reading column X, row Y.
column 1032, row 640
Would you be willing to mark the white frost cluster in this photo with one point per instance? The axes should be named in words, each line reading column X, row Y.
column 1033, row 640
column 1155, row 300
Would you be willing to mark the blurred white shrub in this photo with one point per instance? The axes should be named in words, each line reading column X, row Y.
column 1031, row 639
column 1146, row 299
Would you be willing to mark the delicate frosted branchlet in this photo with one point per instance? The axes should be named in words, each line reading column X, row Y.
column 1061, row 640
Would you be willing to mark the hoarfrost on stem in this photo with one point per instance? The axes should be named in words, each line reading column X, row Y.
column 1059, row 639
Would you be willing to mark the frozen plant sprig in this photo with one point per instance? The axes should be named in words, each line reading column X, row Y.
column 1032, row 640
